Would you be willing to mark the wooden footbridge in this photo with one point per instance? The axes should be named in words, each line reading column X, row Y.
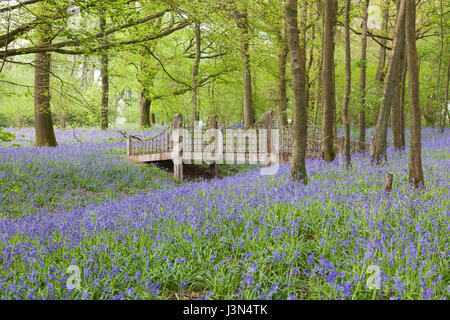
column 265, row 143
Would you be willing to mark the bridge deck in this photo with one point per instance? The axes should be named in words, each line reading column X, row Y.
column 225, row 145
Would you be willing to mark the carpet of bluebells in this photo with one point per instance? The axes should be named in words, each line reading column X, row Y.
column 135, row 233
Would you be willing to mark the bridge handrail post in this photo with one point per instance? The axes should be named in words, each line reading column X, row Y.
column 213, row 124
column 129, row 145
column 269, row 119
column 177, row 163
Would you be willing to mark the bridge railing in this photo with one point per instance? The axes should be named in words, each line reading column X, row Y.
column 159, row 143
column 236, row 140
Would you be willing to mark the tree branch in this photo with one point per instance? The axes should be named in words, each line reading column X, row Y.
column 59, row 47
column 19, row 5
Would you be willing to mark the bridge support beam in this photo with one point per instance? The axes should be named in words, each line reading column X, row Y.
column 213, row 124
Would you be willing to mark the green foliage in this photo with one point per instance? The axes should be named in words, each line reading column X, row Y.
column 6, row 136
column 162, row 67
column 360, row 63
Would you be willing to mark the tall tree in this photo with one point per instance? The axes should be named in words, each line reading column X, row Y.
column 444, row 116
column 328, row 90
column 348, row 83
column 282, row 59
column 382, row 53
column 318, row 105
column 390, row 86
column 144, row 109
column 146, row 76
column 402, row 141
column 298, row 168
column 242, row 24
column 415, row 152
column 398, row 121
column 398, row 117
column 43, row 123
column 442, row 36
column 105, row 81
column 197, row 57
column 362, row 79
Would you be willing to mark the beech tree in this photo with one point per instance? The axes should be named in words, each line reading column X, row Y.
column 348, row 83
column 43, row 123
column 105, row 81
column 198, row 52
column 398, row 103
column 382, row 53
column 328, row 90
column 282, row 59
column 48, row 22
column 415, row 143
column 241, row 17
column 298, row 168
column 362, row 78
column 390, row 86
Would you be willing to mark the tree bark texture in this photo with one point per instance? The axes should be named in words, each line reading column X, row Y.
column 415, row 147
column 43, row 123
column 390, row 86
column 362, row 79
column 328, row 92
column 298, row 168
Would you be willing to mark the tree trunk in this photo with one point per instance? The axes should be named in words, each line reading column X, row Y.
column 362, row 79
column 382, row 54
column 318, row 107
column 438, row 86
column 348, row 83
column 402, row 103
column 282, row 59
column 444, row 117
column 84, row 74
column 397, row 125
column 298, row 168
column 390, row 87
column 309, row 101
column 105, row 82
column 242, row 24
column 318, row 98
column 144, row 111
column 328, row 97
column 43, row 123
column 415, row 153
column 195, row 112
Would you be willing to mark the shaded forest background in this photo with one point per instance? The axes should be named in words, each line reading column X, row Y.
column 162, row 69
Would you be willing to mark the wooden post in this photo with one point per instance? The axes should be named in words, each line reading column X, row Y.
column 269, row 117
column 178, row 161
column 388, row 182
column 129, row 145
column 213, row 124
